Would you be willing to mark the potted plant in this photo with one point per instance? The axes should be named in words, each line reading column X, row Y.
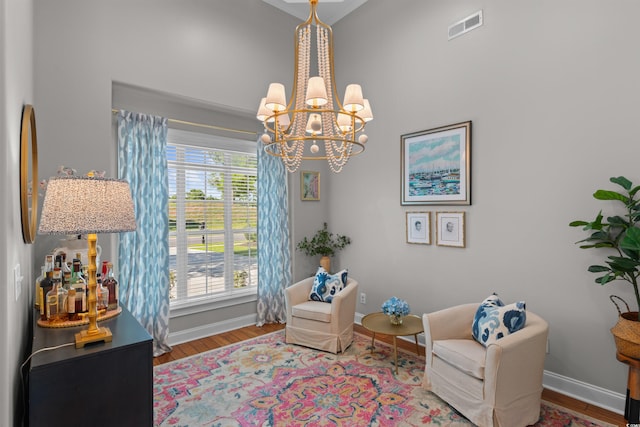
column 325, row 244
column 621, row 235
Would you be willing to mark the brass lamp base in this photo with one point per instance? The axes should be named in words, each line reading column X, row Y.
column 85, row 337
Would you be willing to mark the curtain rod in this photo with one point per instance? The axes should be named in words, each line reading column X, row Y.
column 184, row 122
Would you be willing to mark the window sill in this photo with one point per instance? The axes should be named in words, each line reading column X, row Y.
column 186, row 308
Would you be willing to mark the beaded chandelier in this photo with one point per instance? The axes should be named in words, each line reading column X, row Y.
column 314, row 113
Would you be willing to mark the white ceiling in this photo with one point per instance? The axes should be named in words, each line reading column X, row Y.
column 329, row 11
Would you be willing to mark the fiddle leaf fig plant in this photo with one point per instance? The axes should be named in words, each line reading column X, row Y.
column 323, row 243
column 620, row 233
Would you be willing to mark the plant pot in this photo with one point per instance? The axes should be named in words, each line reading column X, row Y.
column 626, row 332
column 325, row 262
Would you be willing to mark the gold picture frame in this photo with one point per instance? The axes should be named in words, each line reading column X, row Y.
column 309, row 185
column 28, row 174
column 419, row 228
column 450, row 229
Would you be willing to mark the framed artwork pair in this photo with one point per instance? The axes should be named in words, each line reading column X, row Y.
column 449, row 226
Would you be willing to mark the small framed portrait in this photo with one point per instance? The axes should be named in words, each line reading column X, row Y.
column 419, row 228
column 450, row 229
column 309, row 185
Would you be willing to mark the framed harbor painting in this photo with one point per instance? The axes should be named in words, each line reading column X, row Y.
column 436, row 166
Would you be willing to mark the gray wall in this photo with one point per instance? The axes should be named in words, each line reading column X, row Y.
column 16, row 89
column 550, row 88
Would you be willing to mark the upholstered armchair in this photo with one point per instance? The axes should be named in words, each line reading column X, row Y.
column 320, row 325
column 497, row 385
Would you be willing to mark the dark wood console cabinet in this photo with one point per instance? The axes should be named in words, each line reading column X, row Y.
column 102, row 384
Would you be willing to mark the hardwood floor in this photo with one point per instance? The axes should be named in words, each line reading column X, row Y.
column 215, row 341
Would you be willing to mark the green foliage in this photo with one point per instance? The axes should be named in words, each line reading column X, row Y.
column 323, row 243
column 243, row 184
column 619, row 233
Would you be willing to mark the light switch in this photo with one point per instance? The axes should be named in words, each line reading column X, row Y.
column 17, row 281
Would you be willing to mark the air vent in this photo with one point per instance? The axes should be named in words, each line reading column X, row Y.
column 465, row 25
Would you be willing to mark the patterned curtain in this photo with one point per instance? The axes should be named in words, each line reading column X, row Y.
column 143, row 255
column 274, row 252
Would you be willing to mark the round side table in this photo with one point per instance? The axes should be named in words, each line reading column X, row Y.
column 379, row 323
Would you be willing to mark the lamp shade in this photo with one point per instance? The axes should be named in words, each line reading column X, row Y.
column 344, row 122
column 366, row 114
column 284, row 121
column 263, row 112
column 353, row 100
column 276, row 99
column 85, row 205
column 316, row 92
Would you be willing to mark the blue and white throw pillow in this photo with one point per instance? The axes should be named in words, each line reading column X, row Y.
column 494, row 320
column 326, row 286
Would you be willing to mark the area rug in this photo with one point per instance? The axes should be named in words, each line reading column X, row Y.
column 265, row 382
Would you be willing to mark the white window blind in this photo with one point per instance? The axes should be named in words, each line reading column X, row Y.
column 212, row 217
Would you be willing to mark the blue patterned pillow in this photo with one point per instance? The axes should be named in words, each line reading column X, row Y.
column 326, row 286
column 494, row 320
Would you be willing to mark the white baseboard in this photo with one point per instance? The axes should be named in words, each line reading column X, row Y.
column 211, row 329
column 585, row 392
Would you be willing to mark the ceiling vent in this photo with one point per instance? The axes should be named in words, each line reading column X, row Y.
column 465, row 25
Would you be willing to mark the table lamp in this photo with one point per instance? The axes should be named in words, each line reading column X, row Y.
column 88, row 205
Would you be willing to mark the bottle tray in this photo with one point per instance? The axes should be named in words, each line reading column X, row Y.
column 102, row 315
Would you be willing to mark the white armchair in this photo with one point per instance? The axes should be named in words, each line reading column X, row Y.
column 499, row 385
column 320, row 325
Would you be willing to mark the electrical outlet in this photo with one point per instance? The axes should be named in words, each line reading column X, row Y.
column 363, row 298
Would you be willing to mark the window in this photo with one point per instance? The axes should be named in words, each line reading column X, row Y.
column 212, row 217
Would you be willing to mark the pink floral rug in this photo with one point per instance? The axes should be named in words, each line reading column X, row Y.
column 265, row 382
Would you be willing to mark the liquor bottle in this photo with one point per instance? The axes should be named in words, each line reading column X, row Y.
column 112, row 285
column 63, row 294
column 53, row 303
column 102, row 294
column 81, row 297
column 75, row 271
column 36, row 295
column 45, row 286
column 105, row 268
column 66, row 280
column 71, row 304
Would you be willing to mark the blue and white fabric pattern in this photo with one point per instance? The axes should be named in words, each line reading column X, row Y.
column 495, row 320
column 274, row 253
column 326, row 286
column 143, row 255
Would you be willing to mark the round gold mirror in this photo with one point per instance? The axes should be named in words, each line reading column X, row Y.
column 29, row 174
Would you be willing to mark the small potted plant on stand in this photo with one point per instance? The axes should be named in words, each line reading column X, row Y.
column 325, row 244
column 621, row 235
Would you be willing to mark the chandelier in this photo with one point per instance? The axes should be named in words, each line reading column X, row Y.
column 314, row 115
